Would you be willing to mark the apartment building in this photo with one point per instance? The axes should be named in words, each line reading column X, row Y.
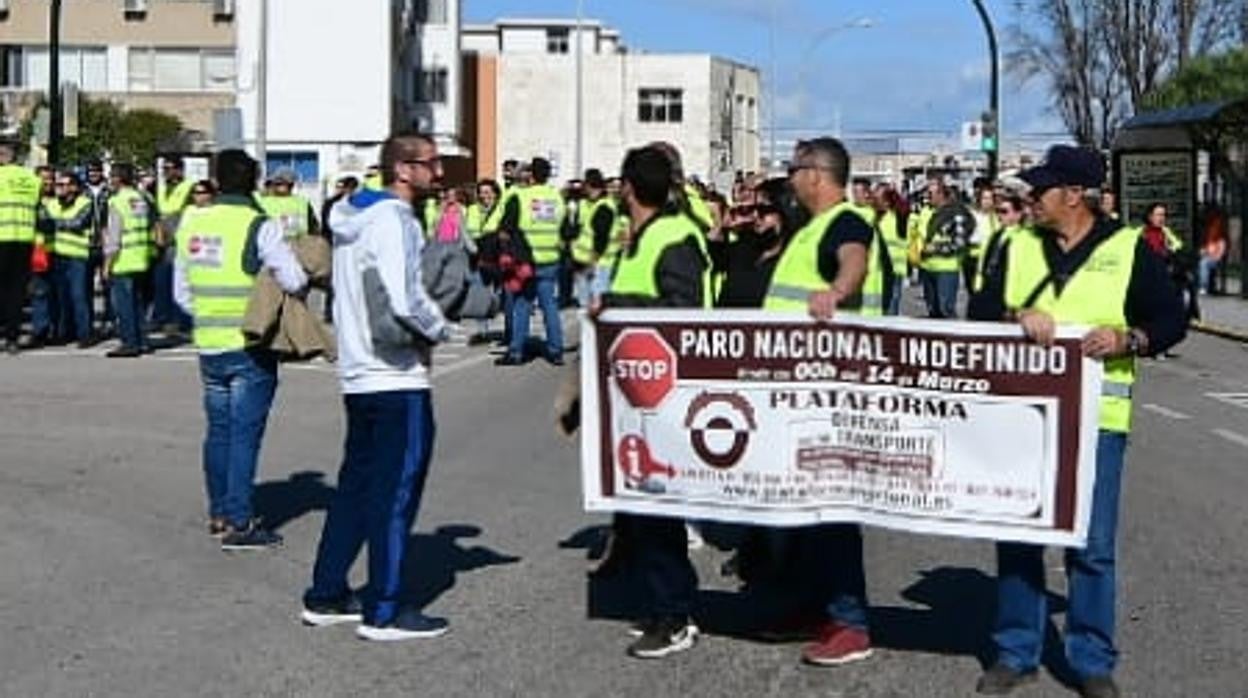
column 173, row 55
column 520, row 100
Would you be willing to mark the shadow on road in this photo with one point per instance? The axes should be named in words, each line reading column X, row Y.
column 434, row 559
column 279, row 502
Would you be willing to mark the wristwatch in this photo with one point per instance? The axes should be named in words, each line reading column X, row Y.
column 1134, row 343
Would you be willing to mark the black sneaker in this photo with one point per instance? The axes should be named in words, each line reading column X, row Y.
column 664, row 637
column 1099, row 687
column 554, row 359
column 251, row 538
column 1001, row 679
column 508, row 360
column 409, row 625
column 11, row 347
column 124, row 353
column 321, row 614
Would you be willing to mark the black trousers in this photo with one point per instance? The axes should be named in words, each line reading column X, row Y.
column 660, row 551
column 14, row 279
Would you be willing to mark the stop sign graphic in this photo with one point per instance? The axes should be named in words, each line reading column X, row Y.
column 643, row 366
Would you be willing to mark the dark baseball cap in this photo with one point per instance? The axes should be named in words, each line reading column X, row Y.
column 1066, row 165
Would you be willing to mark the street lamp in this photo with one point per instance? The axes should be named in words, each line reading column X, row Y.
column 820, row 38
column 55, row 108
column 993, row 117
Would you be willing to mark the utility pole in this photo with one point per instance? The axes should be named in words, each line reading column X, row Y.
column 56, row 122
column 262, row 89
column 775, row 75
column 992, row 120
column 580, row 108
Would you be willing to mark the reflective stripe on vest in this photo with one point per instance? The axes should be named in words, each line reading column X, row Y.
column 635, row 269
column 583, row 247
column 19, row 203
column 211, row 245
column 1094, row 296
column 797, row 273
column 541, row 212
column 135, row 213
column 69, row 242
column 290, row 213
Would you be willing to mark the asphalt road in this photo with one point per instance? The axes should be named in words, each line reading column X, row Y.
column 109, row 585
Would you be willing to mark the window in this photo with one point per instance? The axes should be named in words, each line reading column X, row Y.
column 181, row 70
column 660, row 105
column 557, row 40
column 28, row 67
column 306, row 164
column 431, row 86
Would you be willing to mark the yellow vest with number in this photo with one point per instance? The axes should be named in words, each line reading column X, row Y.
column 211, row 245
column 290, row 213
column 134, row 210
column 541, row 212
column 583, row 247
column 19, row 203
column 1094, row 296
column 635, row 270
column 797, row 273
column 67, row 242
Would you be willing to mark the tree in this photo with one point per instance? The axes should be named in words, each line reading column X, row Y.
column 1220, row 78
column 106, row 130
column 1103, row 58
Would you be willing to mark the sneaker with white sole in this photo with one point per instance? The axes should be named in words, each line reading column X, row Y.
column 408, row 625
column 322, row 614
column 664, row 637
column 252, row 538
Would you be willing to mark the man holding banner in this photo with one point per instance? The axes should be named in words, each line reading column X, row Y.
column 832, row 264
column 1077, row 268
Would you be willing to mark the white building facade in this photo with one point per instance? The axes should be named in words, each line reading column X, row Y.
column 707, row 106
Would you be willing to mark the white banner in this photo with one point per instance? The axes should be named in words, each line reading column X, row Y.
column 952, row 428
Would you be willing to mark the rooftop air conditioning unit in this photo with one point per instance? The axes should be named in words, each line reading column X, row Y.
column 134, row 8
column 223, row 9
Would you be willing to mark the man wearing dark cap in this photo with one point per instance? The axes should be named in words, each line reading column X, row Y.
column 1076, row 267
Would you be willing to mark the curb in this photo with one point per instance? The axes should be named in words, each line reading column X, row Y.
column 1222, row 331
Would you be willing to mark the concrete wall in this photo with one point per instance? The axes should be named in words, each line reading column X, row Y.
column 536, row 108
column 101, row 22
column 320, row 90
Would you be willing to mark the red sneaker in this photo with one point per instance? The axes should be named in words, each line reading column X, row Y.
column 837, row 644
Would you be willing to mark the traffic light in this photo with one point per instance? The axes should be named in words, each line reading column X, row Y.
column 988, row 132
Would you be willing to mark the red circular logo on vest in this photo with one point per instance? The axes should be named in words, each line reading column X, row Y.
column 643, row 366
column 195, row 245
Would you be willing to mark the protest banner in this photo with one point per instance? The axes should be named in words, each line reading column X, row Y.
column 953, row 428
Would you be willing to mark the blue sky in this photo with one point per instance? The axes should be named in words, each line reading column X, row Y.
column 921, row 65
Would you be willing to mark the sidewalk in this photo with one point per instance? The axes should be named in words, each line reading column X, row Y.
column 1225, row 315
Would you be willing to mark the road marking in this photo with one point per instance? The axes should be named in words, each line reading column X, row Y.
column 440, row 371
column 1166, row 411
column 1239, row 400
column 1232, row 436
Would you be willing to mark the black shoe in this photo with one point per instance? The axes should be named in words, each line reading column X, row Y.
column 34, row 343
column 664, row 637
column 124, row 353
column 554, row 359
column 1099, row 687
column 251, row 538
column 508, row 360
column 11, row 347
column 1001, row 679
column 87, row 343
column 409, row 625
column 320, row 614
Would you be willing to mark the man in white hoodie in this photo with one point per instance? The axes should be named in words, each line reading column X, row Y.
column 387, row 325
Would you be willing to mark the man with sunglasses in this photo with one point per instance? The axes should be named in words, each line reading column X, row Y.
column 835, row 263
column 387, row 326
column 1077, row 267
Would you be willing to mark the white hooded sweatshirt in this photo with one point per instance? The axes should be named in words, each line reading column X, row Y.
column 386, row 323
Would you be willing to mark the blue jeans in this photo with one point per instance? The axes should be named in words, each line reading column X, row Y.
column 1021, row 611
column 894, row 303
column 940, row 290
column 543, row 286
column 238, row 391
column 74, row 289
column 164, row 310
column 1208, row 266
column 384, row 465
column 128, row 307
column 44, row 310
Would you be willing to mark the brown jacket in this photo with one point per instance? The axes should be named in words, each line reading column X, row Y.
column 284, row 323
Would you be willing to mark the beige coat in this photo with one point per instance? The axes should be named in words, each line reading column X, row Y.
column 284, row 323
